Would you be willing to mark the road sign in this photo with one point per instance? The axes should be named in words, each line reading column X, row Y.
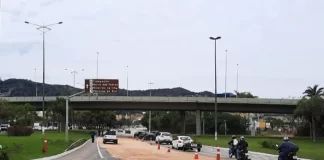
column 101, row 86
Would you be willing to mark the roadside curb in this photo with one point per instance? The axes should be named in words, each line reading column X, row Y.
column 251, row 152
column 64, row 153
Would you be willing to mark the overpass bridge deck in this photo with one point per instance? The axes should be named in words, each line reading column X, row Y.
column 161, row 99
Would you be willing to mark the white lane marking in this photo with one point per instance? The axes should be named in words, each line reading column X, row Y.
column 99, row 148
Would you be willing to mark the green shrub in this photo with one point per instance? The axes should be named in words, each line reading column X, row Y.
column 20, row 131
column 269, row 144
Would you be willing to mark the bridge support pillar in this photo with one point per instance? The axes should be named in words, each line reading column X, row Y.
column 198, row 122
column 183, row 122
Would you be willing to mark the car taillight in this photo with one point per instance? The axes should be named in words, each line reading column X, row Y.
column 179, row 141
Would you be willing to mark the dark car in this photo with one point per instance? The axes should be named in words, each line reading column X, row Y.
column 136, row 134
column 155, row 132
column 150, row 136
column 187, row 144
column 142, row 135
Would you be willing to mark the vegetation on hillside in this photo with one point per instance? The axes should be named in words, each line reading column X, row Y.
column 21, row 87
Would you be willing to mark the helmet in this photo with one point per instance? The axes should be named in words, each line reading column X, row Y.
column 285, row 139
column 233, row 136
column 242, row 138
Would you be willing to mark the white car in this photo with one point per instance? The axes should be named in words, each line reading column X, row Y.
column 110, row 136
column 163, row 137
column 4, row 127
column 177, row 142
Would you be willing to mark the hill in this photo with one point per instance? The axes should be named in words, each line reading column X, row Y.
column 22, row 87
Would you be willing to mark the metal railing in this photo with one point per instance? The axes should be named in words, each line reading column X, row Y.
column 76, row 144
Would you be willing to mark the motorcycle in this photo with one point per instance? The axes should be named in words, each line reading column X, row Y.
column 243, row 155
column 291, row 155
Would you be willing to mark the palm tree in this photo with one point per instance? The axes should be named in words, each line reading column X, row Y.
column 311, row 107
column 314, row 91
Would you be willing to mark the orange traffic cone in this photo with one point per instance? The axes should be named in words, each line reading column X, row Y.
column 158, row 146
column 217, row 153
column 196, row 155
column 168, row 149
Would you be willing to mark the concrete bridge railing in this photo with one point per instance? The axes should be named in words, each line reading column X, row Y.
column 161, row 99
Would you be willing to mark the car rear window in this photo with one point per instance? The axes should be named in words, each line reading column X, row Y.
column 111, row 133
column 166, row 134
column 185, row 138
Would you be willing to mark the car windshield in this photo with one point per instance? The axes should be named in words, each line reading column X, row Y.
column 166, row 134
column 111, row 133
column 185, row 138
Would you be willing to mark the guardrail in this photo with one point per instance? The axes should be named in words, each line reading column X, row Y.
column 159, row 99
column 76, row 144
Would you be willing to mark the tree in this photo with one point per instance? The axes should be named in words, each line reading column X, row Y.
column 245, row 95
column 314, row 91
column 311, row 107
column 57, row 110
column 5, row 111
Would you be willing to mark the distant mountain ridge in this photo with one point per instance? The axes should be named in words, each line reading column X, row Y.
column 23, row 87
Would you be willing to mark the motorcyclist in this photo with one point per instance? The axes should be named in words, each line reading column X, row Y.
column 242, row 146
column 233, row 144
column 285, row 148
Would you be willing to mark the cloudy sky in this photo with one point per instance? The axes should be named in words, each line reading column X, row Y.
column 277, row 44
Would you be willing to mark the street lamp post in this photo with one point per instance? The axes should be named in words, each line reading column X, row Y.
column 74, row 72
column 97, row 64
column 35, row 82
column 150, row 113
column 43, row 28
column 225, row 128
column 215, row 39
column 225, row 73
column 127, row 81
column 237, row 80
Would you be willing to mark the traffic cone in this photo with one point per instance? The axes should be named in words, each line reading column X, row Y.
column 143, row 140
column 196, row 155
column 158, row 146
column 168, row 149
column 217, row 153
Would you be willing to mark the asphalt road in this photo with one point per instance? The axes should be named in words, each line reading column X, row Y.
column 90, row 151
column 204, row 151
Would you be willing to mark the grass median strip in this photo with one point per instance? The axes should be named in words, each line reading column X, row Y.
column 307, row 149
column 30, row 147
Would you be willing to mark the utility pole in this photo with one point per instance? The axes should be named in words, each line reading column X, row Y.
column 43, row 28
